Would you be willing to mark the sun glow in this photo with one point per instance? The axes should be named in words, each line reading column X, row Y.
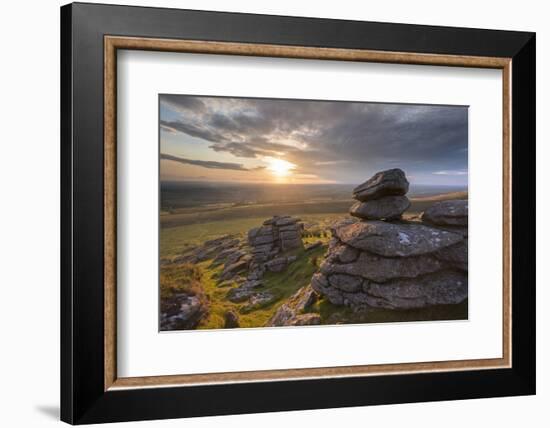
column 280, row 167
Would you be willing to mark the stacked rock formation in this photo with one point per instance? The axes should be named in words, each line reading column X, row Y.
column 382, row 261
column 267, row 243
column 275, row 235
column 382, row 197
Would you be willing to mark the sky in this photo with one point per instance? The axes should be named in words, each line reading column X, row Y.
column 306, row 142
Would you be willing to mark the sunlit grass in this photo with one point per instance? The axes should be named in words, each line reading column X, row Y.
column 282, row 285
column 175, row 240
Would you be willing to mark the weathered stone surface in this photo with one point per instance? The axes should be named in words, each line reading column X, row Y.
column 438, row 288
column 222, row 255
column 395, row 239
column 341, row 223
column 456, row 255
column 347, row 283
column 235, row 256
column 279, row 233
column 293, row 309
column 292, row 235
column 231, row 320
column 256, row 271
column 244, row 291
column 344, row 253
column 320, row 284
column 182, row 312
column 204, row 253
column 305, row 319
column 254, row 283
column 240, row 294
column 209, row 250
column 262, row 239
column 218, row 241
column 258, row 300
column 441, row 288
column 383, row 183
column 388, row 208
column 377, row 268
column 252, row 233
column 459, row 230
column 276, row 265
column 447, row 213
column 231, row 270
column 285, row 220
column 290, row 228
column 279, row 264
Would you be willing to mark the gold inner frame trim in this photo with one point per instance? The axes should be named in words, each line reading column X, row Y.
column 113, row 43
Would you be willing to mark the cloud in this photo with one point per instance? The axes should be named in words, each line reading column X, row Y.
column 182, row 103
column 331, row 139
column 451, row 173
column 205, row 164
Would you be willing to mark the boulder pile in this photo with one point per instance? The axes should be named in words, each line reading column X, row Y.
column 383, row 261
column 382, row 196
column 275, row 235
column 264, row 253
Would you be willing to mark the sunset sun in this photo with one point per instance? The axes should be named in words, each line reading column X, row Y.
column 280, row 167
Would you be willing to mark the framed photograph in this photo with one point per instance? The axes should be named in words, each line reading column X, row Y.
column 265, row 213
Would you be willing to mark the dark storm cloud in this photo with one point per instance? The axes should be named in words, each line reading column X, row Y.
column 345, row 135
column 205, row 164
column 182, row 103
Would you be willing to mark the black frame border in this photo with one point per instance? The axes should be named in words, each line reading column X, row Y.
column 83, row 399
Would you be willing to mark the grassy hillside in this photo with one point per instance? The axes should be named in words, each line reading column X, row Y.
column 281, row 285
column 187, row 228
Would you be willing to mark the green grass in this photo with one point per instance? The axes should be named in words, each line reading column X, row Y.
column 185, row 278
column 175, row 240
column 183, row 230
column 231, row 212
column 207, row 215
column 282, row 285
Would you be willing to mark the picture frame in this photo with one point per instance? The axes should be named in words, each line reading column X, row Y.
column 91, row 390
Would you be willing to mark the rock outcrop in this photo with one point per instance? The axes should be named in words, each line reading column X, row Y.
column 267, row 242
column 231, row 320
column 279, row 233
column 388, row 207
column 182, row 312
column 447, row 213
column 382, row 261
column 292, row 311
column 246, row 265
